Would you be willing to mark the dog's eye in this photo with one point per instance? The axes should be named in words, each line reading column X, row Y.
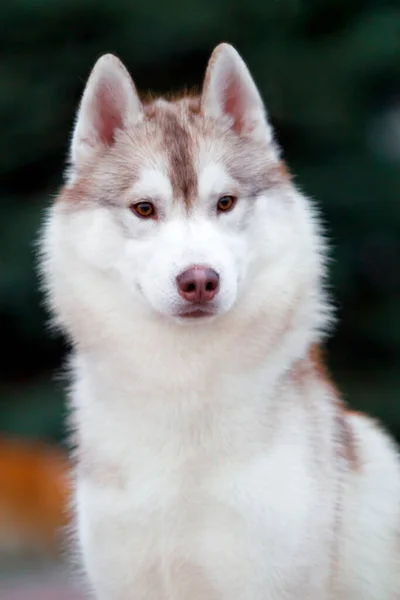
column 145, row 210
column 226, row 203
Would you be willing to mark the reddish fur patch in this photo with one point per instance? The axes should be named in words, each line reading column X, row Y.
column 318, row 362
column 346, row 437
column 313, row 364
column 75, row 193
column 344, row 427
column 193, row 105
column 283, row 171
column 177, row 145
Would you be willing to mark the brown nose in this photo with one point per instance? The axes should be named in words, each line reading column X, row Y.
column 198, row 284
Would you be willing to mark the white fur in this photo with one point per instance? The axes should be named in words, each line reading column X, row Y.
column 206, row 469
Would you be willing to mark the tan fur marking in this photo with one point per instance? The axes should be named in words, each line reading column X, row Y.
column 74, row 194
column 177, row 144
column 283, row 171
column 194, row 105
column 345, row 430
column 349, row 445
column 318, row 361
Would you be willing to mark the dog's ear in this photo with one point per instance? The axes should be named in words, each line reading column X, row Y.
column 229, row 92
column 110, row 102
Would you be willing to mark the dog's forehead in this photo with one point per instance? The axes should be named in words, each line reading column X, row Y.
column 187, row 157
column 174, row 147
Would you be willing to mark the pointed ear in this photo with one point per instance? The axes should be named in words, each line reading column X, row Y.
column 229, row 91
column 109, row 102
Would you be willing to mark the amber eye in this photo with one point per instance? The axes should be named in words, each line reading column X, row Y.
column 145, row 210
column 226, row 203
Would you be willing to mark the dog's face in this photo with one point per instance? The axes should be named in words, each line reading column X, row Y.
column 182, row 208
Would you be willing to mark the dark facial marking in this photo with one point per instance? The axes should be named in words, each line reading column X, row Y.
column 178, row 146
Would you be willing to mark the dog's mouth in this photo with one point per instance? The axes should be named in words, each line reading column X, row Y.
column 196, row 312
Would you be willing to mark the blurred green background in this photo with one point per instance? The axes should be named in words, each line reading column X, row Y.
column 329, row 71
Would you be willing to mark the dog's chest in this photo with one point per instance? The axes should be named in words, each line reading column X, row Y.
column 228, row 528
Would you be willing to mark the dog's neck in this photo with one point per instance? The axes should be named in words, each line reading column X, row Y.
column 189, row 362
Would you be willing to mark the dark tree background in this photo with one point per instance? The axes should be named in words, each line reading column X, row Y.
column 329, row 71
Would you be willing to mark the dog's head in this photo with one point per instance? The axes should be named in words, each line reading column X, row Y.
column 179, row 209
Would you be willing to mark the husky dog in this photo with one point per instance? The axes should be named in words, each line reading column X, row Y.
column 214, row 458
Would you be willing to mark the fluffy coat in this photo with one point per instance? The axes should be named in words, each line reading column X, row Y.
column 215, row 459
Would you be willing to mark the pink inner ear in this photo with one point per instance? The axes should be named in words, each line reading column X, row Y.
column 234, row 104
column 108, row 113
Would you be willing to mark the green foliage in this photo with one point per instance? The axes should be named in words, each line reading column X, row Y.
column 328, row 70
